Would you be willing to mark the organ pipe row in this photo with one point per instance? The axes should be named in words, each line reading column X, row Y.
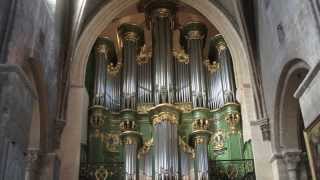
column 137, row 82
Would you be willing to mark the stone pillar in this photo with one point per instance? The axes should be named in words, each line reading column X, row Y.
column 161, row 16
column 132, row 38
column 71, row 135
column 32, row 164
column 292, row 159
column 131, row 141
column 193, row 36
column 165, row 118
column 200, row 137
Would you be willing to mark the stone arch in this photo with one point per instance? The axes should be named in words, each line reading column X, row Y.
column 238, row 49
column 287, row 109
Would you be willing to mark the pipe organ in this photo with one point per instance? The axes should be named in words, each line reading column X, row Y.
column 162, row 112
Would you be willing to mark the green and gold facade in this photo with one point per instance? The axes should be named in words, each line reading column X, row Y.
column 163, row 112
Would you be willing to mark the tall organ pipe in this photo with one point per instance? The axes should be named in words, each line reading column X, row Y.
column 165, row 119
column 193, row 36
column 162, row 26
column 226, row 68
column 132, row 37
column 101, row 50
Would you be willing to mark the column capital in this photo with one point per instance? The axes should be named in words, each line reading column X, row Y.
column 32, row 159
column 193, row 30
column 291, row 157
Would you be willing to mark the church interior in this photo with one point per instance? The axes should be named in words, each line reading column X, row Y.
column 159, row 90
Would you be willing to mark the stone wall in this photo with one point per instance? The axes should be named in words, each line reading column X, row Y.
column 30, row 41
column 287, row 30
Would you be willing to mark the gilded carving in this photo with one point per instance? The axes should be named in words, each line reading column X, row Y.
column 111, row 141
column 145, row 148
column 102, row 173
column 144, row 56
column 186, row 148
column 127, row 125
column 218, row 140
column 112, row 69
column 200, row 124
column 184, row 107
column 233, row 119
column 212, row 66
column 181, row 56
column 165, row 116
column 144, row 108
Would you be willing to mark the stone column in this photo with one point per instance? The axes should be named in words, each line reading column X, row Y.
column 161, row 16
column 32, row 164
column 200, row 137
column 193, row 36
column 292, row 159
column 131, row 141
column 132, row 38
column 165, row 120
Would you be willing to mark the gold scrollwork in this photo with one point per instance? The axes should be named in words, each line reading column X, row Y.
column 233, row 119
column 181, row 56
column 144, row 108
column 184, row 107
column 186, row 148
column 144, row 56
column 111, row 141
column 145, row 148
column 112, row 69
column 165, row 116
column 212, row 66
column 102, row 173
column 217, row 140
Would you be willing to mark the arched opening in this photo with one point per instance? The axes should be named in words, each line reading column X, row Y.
column 104, row 17
column 288, row 138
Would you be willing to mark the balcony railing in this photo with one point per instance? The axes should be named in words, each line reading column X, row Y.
column 232, row 170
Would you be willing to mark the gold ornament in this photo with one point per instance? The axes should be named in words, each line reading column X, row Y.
column 127, row 125
column 111, row 142
column 144, row 56
column 181, row 56
column 112, row 69
column 217, row 140
column 165, row 116
column 101, row 173
column 184, row 107
column 145, row 148
column 212, row 67
column 144, row 108
column 200, row 124
column 233, row 119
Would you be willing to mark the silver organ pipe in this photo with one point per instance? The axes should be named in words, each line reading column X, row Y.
column 132, row 37
column 227, row 73
column 193, row 36
column 101, row 51
column 162, row 59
